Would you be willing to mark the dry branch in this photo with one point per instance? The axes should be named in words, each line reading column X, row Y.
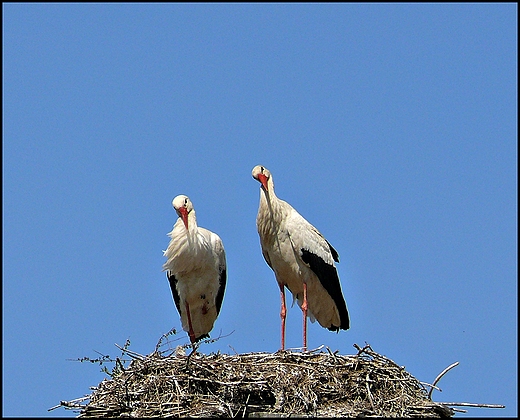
column 439, row 376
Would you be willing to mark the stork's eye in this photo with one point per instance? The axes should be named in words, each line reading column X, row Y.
column 185, row 201
column 262, row 169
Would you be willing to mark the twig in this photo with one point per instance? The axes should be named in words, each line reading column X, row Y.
column 130, row 352
column 430, row 385
column 459, row 410
column 371, row 399
column 212, row 340
column 362, row 350
column 70, row 404
column 464, row 404
column 245, row 406
column 165, row 335
column 438, row 378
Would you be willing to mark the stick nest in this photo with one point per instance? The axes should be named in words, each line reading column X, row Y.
column 286, row 383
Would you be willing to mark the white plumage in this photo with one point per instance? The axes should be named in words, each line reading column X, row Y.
column 301, row 258
column 196, row 269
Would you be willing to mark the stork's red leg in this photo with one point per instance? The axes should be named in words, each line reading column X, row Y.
column 304, row 309
column 191, row 333
column 283, row 313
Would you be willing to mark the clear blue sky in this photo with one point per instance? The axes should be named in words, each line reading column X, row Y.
column 390, row 127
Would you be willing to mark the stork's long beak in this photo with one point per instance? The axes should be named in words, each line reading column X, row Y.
column 263, row 179
column 184, row 216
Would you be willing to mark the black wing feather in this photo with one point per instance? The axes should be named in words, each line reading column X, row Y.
column 175, row 293
column 222, row 287
column 328, row 276
column 334, row 253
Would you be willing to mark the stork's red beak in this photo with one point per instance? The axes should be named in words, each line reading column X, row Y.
column 263, row 179
column 184, row 216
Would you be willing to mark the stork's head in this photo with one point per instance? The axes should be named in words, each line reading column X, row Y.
column 262, row 175
column 183, row 206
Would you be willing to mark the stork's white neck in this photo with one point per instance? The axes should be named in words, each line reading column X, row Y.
column 270, row 217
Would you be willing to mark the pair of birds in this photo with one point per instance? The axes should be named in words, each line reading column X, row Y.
column 301, row 258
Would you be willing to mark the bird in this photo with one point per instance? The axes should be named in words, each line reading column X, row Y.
column 196, row 270
column 302, row 261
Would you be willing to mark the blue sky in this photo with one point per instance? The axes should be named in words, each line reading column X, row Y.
column 390, row 127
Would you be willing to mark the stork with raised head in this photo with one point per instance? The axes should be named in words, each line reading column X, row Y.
column 196, row 269
column 302, row 260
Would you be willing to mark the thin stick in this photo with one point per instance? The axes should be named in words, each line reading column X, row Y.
column 370, row 394
column 70, row 404
column 459, row 410
column 438, row 378
column 430, row 385
column 131, row 353
column 464, row 404
column 245, row 406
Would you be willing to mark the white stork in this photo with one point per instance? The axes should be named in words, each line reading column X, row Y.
column 196, row 269
column 302, row 260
